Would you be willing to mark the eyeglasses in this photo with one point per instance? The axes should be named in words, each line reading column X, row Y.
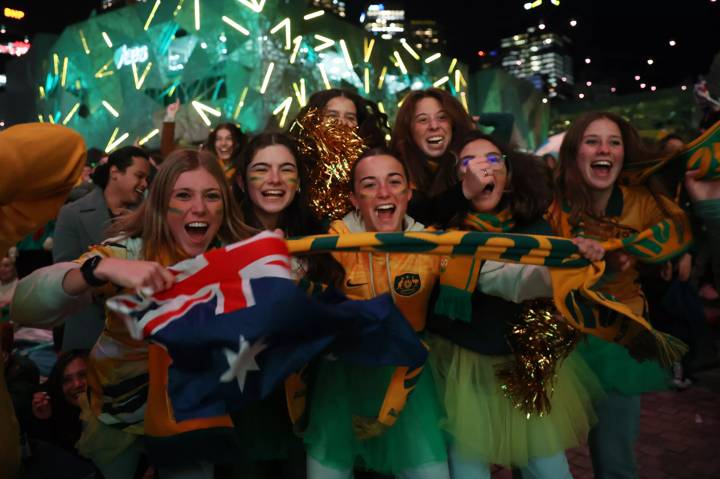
column 492, row 158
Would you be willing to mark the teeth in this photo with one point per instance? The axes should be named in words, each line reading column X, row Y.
column 197, row 224
column 602, row 163
column 435, row 139
column 273, row 193
column 385, row 207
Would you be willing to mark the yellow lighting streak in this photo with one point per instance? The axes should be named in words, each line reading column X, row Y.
column 327, row 42
column 108, row 42
column 463, row 100
column 367, row 80
column 381, row 107
column 324, row 76
column 266, row 80
column 202, row 109
column 64, row 72
column 383, row 72
column 409, row 49
column 235, row 25
column 42, row 91
column 116, row 143
column 459, row 80
column 197, row 15
column 441, row 81
column 172, row 90
column 400, row 63
column 297, row 41
column 103, row 71
column 77, row 84
column 139, row 81
column 432, row 58
column 254, row 5
column 452, row 65
column 367, row 49
column 241, row 103
column 83, row 40
column 51, row 118
column 112, row 139
column 147, row 137
column 70, row 114
column 286, row 25
column 346, row 54
column 40, row 117
column 152, row 14
column 284, row 107
column 56, row 64
column 298, row 95
column 312, row 15
column 110, row 108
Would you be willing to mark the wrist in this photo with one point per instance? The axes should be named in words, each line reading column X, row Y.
column 92, row 271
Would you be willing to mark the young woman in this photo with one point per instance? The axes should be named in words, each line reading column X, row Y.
column 425, row 136
column 484, row 426
column 226, row 141
column 413, row 447
column 268, row 185
column 352, row 110
column 188, row 209
column 57, row 407
column 591, row 203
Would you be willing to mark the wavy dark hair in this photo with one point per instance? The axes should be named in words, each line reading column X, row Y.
column 403, row 145
column 372, row 123
column 529, row 184
column 296, row 219
column 122, row 158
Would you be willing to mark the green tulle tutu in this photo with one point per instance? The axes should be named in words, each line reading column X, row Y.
column 342, row 390
column 618, row 371
column 483, row 424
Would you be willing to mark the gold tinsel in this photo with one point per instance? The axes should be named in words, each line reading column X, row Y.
column 330, row 148
column 540, row 340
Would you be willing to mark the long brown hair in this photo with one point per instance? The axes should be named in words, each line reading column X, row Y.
column 403, row 146
column 149, row 220
column 569, row 185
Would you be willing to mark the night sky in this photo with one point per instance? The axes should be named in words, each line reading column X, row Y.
column 618, row 36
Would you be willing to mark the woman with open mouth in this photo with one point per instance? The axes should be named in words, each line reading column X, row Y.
column 269, row 186
column 343, row 394
column 484, row 425
column 188, row 210
column 425, row 136
column 591, row 203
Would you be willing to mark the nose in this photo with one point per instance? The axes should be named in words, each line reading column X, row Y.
column 383, row 191
column 604, row 147
column 198, row 205
column 144, row 183
column 274, row 176
column 434, row 123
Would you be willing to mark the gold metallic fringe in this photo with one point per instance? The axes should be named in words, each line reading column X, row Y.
column 540, row 340
column 330, row 148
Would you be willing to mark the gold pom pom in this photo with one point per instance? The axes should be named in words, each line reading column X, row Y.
column 540, row 339
column 331, row 148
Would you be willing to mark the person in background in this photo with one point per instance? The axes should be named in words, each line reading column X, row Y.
column 120, row 185
column 349, row 108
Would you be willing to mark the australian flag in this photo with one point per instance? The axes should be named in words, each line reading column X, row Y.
column 236, row 325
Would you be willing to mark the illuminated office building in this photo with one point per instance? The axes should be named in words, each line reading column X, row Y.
column 541, row 57
column 334, row 6
column 387, row 22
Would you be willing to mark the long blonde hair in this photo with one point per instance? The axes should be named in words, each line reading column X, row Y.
column 149, row 221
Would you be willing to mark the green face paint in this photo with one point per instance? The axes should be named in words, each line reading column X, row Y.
column 256, row 178
column 176, row 211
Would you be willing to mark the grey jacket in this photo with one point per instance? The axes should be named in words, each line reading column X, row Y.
column 81, row 224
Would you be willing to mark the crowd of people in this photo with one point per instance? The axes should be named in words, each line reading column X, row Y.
column 102, row 411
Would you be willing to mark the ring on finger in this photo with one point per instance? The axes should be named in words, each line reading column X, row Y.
column 485, row 172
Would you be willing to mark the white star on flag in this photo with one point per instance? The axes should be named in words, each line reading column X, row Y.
column 242, row 361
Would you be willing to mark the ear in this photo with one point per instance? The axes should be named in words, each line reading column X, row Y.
column 410, row 193
column 354, row 201
column 113, row 171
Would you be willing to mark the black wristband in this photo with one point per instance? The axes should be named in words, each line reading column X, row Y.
column 88, row 271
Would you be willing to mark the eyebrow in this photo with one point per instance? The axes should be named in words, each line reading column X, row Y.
column 175, row 190
column 262, row 163
column 597, row 135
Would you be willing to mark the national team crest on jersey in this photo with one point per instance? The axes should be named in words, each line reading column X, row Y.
column 407, row 284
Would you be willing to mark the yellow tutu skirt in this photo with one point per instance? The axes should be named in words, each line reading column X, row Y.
column 483, row 424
